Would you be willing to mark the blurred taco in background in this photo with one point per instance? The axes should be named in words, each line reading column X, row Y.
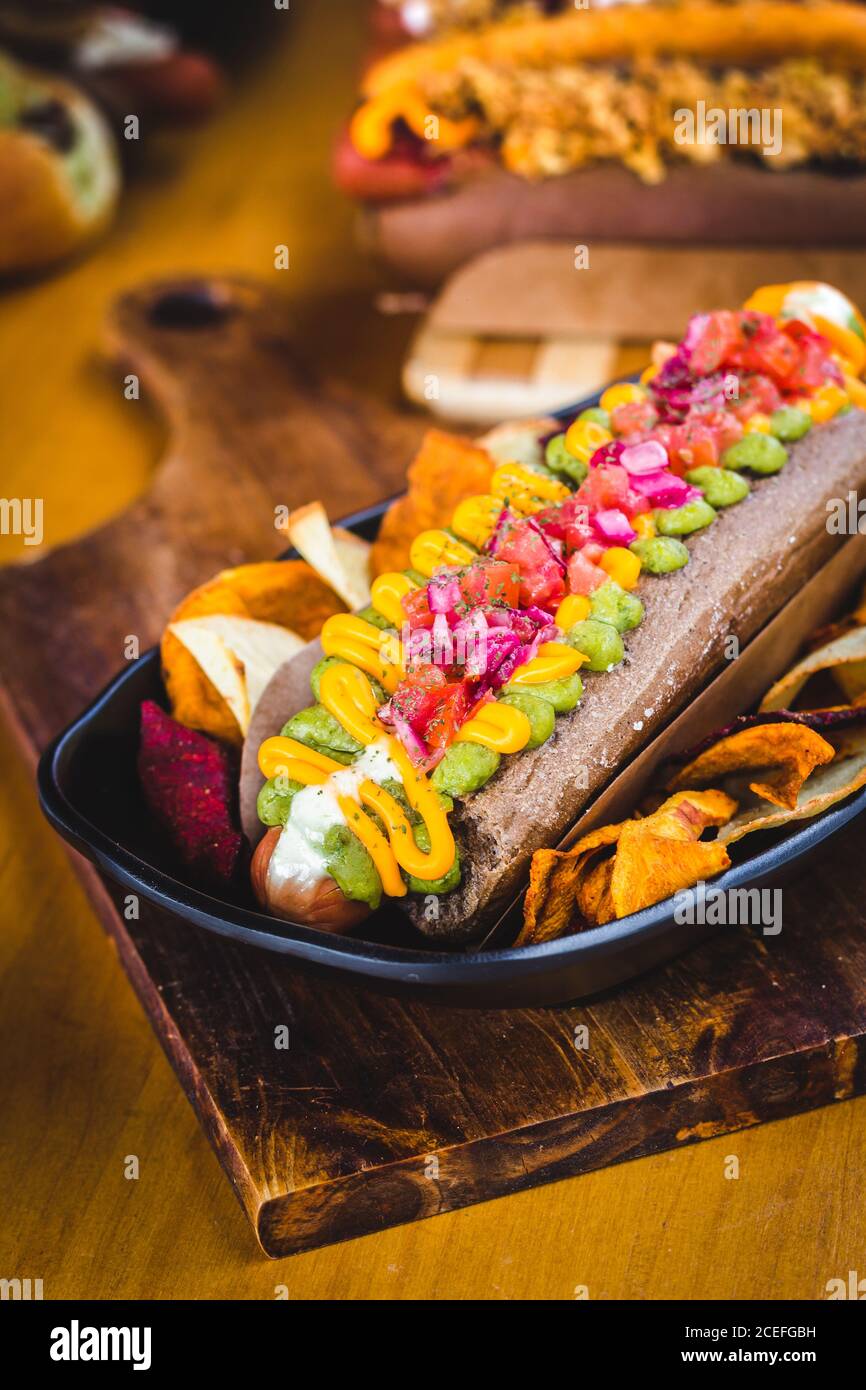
column 59, row 172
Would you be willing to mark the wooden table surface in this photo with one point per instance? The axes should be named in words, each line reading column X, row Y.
column 83, row 1083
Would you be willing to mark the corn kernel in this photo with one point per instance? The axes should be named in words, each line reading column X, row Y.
column 644, row 525
column 475, row 518
column 827, row 401
column 434, row 548
column 524, row 490
column 584, row 437
column 757, row 424
column 623, row 393
column 648, row 373
column 621, row 565
column 572, row 610
column 822, row 411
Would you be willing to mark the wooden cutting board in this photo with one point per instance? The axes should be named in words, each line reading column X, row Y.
column 521, row 329
column 383, row 1111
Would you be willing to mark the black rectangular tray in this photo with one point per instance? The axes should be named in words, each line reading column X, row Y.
column 89, row 791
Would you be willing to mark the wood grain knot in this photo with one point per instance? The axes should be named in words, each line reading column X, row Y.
column 191, row 306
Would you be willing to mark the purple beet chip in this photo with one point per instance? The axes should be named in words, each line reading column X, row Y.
column 188, row 785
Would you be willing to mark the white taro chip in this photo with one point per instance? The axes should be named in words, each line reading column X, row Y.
column 825, row 787
column 238, row 655
column 839, row 656
column 338, row 558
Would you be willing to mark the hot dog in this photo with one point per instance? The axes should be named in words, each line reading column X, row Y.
column 530, row 650
column 570, row 125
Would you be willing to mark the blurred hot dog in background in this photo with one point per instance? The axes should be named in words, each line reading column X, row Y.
column 506, row 121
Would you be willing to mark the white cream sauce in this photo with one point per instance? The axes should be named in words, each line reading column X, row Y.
column 377, row 763
column 298, row 855
column 830, row 303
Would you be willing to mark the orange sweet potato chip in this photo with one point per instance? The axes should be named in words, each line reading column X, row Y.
column 661, row 854
column 594, row 896
column 288, row 593
column 554, row 877
column 446, row 469
column 686, row 815
column 779, row 756
column 618, row 869
column 828, row 785
column 650, row 867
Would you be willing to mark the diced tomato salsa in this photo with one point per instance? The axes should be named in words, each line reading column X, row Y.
column 490, row 583
column 732, row 368
column 433, row 706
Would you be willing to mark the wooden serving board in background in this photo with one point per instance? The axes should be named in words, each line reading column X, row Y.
column 521, row 328
column 383, row 1111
